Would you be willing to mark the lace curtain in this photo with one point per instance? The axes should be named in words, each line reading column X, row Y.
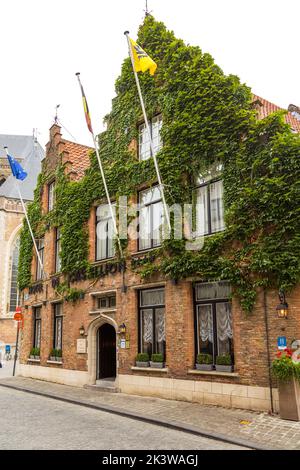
column 216, row 206
column 160, row 325
column 147, row 326
column 224, row 321
column 205, row 320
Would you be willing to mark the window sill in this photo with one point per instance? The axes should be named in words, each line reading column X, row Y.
column 213, row 372
column 54, row 362
column 149, row 369
column 33, row 360
column 103, row 261
column 147, row 250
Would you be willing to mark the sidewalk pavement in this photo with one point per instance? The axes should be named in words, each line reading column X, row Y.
column 246, row 428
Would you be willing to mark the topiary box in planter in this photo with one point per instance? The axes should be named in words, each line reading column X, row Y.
column 223, row 363
column 142, row 360
column 204, row 362
column 224, row 368
column 157, row 361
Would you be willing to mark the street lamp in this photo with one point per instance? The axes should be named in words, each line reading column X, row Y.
column 282, row 308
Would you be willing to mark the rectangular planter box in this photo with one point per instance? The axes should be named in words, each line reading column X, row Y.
column 289, row 400
column 204, row 366
column 141, row 364
column 52, row 358
column 157, row 365
column 224, row 368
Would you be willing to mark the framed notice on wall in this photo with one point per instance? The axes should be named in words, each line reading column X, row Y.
column 81, row 346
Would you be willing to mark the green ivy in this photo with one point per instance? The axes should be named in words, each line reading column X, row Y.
column 207, row 117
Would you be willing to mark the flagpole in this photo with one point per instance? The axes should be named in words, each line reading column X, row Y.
column 148, row 131
column 104, row 182
column 28, row 223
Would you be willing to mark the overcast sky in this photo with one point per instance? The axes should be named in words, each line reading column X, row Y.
column 45, row 42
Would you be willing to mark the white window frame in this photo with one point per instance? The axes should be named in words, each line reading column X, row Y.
column 144, row 143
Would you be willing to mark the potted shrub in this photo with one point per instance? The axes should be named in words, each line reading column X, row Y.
column 204, row 362
column 53, row 355
column 59, row 355
column 37, row 353
column 286, row 368
column 142, row 360
column 32, row 353
column 157, row 361
column 223, row 363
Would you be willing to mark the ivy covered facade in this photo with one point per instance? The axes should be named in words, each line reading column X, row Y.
column 96, row 308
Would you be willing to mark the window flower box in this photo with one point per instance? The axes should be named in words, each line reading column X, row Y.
column 157, row 361
column 224, row 363
column 204, row 362
column 56, row 355
column 35, row 354
column 223, row 368
column 142, row 360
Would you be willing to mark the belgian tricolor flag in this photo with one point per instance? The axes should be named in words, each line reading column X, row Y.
column 85, row 107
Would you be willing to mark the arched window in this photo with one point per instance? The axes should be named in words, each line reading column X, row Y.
column 13, row 297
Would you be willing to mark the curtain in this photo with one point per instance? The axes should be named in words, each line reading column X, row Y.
column 156, row 139
column 224, row 328
column 205, row 322
column 216, row 206
column 160, row 325
column 201, row 211
column 152, row 297
column 147, row 326
column 144, row 143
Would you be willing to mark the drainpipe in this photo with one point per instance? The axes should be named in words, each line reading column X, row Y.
column 268, row 348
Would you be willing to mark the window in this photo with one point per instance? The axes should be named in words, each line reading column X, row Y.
column 107, row 301
column 57, row 251
column 105, row 247
column 151, row 218
column 13, row 298
column 40, row 247
column 152, row 337
column 144, row 142
column 37, row 327
column 214, row 319
column 51, row 196
column 209, row 202
column 58, row 321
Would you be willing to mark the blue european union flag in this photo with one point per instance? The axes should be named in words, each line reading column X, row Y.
column 16, row 168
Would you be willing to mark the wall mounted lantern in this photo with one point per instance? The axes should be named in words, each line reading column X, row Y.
column 81, row 331
column 282, row 308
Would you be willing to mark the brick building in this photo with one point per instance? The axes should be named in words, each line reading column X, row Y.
column 29, row 153
column 93, row 337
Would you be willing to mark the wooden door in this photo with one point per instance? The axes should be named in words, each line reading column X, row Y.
column 107, row 351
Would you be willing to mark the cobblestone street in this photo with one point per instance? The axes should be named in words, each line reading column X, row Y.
column 38, row 423
column 241, row 426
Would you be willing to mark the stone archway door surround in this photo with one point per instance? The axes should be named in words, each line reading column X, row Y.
column 93, row 346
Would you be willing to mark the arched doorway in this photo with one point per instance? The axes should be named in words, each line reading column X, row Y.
column 107, row 360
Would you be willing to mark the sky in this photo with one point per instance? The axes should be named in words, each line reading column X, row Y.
column 45, row 42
